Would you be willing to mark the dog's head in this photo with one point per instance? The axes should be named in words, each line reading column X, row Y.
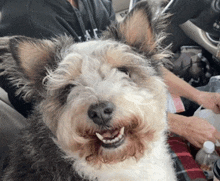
column 104, row 100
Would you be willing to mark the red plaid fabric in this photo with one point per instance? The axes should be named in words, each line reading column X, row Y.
column 186, row 167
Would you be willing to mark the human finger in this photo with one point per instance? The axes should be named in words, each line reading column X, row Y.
column 216, row 109
column 217, row 135
column 217, row 103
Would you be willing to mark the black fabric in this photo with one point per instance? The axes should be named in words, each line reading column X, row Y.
column 47, row 19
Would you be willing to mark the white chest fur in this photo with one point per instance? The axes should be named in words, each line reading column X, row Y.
column 154, row 166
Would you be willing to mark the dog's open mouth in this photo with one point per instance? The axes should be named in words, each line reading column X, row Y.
column 111, row 138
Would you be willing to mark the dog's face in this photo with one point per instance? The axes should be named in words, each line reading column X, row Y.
column 104, row 100
column 107, row 105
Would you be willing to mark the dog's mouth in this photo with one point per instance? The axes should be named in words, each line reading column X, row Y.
column 111, row 138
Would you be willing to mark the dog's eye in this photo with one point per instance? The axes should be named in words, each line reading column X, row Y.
column 68, row 87
column 64, row 92
column 124, row 70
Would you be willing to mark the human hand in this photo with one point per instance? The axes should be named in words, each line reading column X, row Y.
column 209, row 100
column 198, row 130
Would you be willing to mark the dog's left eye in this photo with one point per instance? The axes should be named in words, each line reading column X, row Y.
column 124, row 70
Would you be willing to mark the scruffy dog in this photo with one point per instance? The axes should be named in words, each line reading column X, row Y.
column 100, row 109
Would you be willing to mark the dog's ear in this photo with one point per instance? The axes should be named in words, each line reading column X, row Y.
column 26, row 62
column 137, row 29
column 144, row 31
column 32, row 56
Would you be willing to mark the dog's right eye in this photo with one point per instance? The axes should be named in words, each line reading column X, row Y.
column 124, row 70
column 68, row 87
column 64, row 92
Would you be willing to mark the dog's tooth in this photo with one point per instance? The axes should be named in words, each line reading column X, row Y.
column 99, row 136
column 112, row 141
column 122, row 130
column 108, row 141
column 116, row 139
column 104, row 141
column 120, row 136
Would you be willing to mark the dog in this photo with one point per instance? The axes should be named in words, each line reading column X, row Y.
column 100, row 106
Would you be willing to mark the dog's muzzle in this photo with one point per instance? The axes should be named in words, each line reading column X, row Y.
column 101, row 114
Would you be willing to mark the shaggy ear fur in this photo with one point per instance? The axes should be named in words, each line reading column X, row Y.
column 142, row 30
column 137, row 28
column 33, row 57
column 26, row 61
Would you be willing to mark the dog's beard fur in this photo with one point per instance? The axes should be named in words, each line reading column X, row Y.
column 123, row 69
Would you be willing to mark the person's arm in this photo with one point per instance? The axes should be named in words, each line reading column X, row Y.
column 193, row 129
column 181, row 88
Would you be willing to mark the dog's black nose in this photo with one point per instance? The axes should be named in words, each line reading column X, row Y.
column 101, row 113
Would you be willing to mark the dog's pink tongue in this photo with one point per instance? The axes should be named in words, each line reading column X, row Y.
column 110, row 134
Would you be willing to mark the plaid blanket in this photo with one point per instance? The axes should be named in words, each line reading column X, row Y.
column 186, row 167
